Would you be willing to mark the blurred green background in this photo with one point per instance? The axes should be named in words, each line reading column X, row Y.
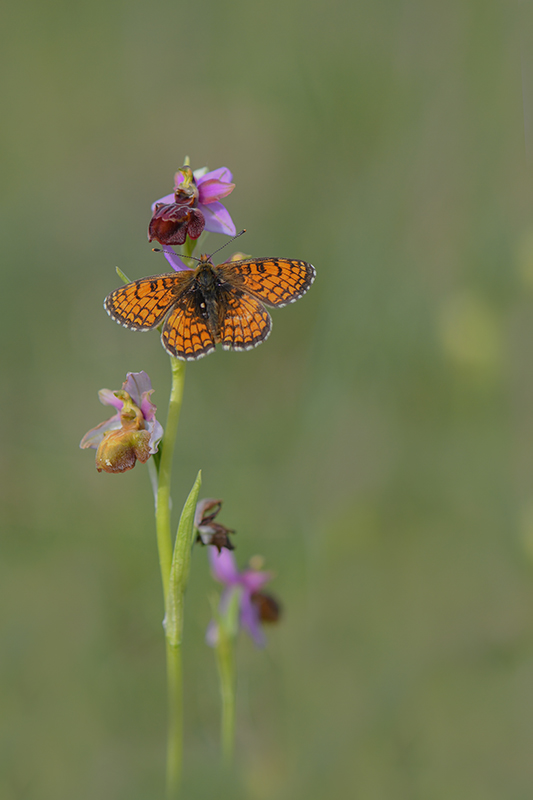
column 376, row 450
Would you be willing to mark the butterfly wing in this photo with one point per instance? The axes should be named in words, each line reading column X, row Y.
column 244, row 321
column 233, row 315
column 142, row 305
column 275, row 281
column 186, row 333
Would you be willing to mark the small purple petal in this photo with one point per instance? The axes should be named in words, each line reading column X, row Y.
column 223, row 566
column 108, row 398
column 250, row 620
column 217, row 219
column 253, row 579
column 147, row 407
column 93, row 437
column 139, row 387
column 136, row 385
column 173, row 259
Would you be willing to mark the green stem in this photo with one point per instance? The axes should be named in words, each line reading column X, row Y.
column 164, row 545
column 227, row 630
column 179, row 574
column 162, row 513
column 175, row 721
column 226, row 671
column 187, row 250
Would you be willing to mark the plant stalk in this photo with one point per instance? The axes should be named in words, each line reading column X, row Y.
column 164, row 545
column 162, row 511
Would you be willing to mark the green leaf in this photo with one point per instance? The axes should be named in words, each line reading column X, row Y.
column 179, row 571
column 122, row 275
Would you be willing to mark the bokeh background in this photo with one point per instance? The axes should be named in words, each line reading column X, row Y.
column 377, row 450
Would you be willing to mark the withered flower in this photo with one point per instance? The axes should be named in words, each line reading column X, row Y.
column 133, row 433
column 209, row 531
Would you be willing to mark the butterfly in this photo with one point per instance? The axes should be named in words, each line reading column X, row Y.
column 208, row 305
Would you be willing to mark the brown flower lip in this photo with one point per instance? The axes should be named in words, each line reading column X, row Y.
column 171, row 223
column 268, row 607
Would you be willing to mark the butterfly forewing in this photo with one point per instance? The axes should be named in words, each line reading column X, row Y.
column 275, row 281
column 142, row 305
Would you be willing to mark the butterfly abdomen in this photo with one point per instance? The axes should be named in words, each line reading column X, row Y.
column 206, row 297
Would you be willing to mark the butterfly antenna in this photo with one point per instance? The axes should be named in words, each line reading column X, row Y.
column 158, row 250
column 231, row 240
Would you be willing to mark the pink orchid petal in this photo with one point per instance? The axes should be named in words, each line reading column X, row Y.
column 213, row 190
column 139, row 387
column 254, row 579
column 173, row 259
column 108, row 398
column 250, row 620
column 136, row 385
column 217, row 219
column 147, row 407
column 223, row 565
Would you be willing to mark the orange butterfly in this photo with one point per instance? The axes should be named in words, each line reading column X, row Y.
column 211, row 304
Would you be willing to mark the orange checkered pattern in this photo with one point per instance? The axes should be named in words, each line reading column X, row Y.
column 201, row 307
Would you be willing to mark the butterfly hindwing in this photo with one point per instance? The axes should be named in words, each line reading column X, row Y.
column 186, row 333
column 244, row 321
column 275, row 281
